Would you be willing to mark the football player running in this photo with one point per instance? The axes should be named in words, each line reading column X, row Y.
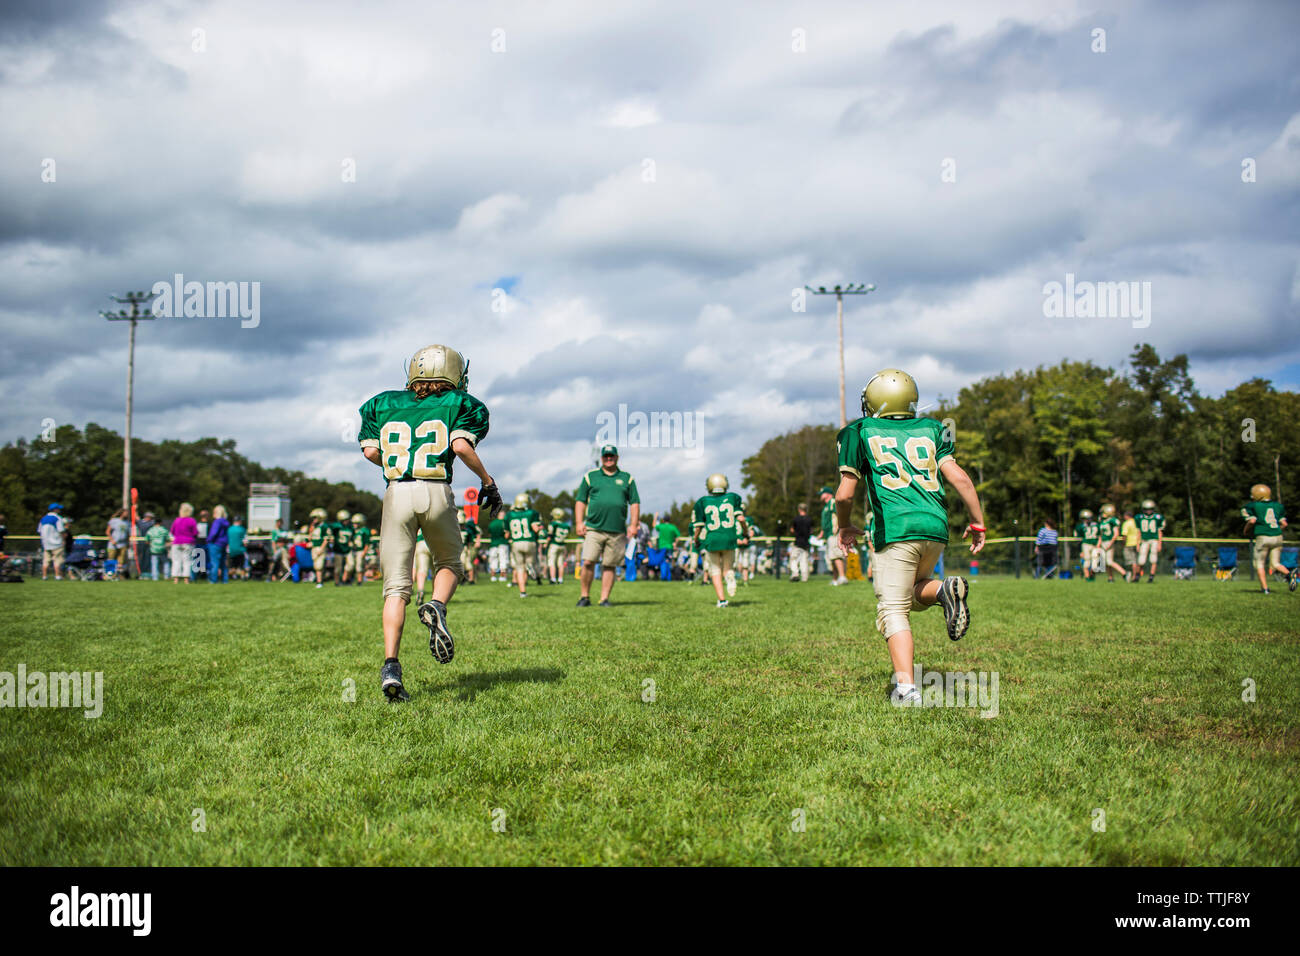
column 1088, row 531
column 1107, row 535
column 498, row 548
column 903, row 461
column 524, row 527
column 1265, row 519
column 718, row 523
column 556, row 532
column 1151, row 527
column 415, row 434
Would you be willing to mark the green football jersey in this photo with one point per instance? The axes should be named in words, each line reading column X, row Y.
column 496, row 532
column 899, row 459
column 360, row 539
column 1107, row 528
column 521, row 524
column 607, row 498
column 828, row 517
column 469, row 530
column 1268, row 517
column 556, row 532
column 318, row 535
column 342, row 538
column 1150, row 525
column 414, row 435
column 329, row 533
column 717, row 518
column 1088, row 531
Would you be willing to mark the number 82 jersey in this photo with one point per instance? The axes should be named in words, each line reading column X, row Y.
column 899, row 460
column 414, row 435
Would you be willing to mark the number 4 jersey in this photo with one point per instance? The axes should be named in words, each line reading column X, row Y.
column 899, row 460
column 414, row 435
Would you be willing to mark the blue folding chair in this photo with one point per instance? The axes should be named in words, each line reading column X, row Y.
column 1227, row 565
column 1184, row 563
column 1290, row 558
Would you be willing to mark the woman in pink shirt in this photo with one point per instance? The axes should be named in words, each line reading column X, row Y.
column 185, row 531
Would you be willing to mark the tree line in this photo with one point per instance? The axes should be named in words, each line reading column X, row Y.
column 1052, row 441
column 82, row 470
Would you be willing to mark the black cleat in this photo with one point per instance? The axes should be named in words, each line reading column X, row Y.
column 584, row 602
column 433, row 615
column 952, row 596
column 1293, row 579
column 390, row 682
column 605, row 604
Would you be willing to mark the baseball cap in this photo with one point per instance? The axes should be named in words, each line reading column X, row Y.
column 55, row 506
column 826, row 490
column 608, row 450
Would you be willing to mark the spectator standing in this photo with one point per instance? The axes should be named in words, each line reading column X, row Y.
column 659, row 556
column 216, row 540
column 801, row 528
column 1132, row 536
column 835, row 554
column 156, row 540
column 1045, row 549
column 235, row 549
column 51, row 530
column 185, row 534
column 118, row 533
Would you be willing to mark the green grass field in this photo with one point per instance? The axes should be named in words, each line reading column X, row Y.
column 232, row 700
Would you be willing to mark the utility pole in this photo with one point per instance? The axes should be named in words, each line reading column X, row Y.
column 140, row 303
column 840, row 292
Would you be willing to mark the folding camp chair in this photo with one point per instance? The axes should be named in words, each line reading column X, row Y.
column 1290, row 558
column 1227, row 566
column 1184, row 563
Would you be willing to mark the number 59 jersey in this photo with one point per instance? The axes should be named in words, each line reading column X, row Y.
column 899, row 460
column 414, row 435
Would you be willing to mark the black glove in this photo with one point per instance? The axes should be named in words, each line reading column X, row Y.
column 489, row 500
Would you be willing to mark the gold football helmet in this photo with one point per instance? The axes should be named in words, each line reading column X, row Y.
column 1148, row 505
column 1260, row 492
column 891, row 393
column 716, row 483
column 1108, row 511
column 344, row 515
column 319, row 513
column 358, row 518
column 557, row 514
column 438, row 363
column 1085, row 515
column 521, row 501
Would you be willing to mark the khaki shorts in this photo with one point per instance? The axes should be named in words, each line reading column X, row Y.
column 834, row 551
column 55, row 555
column 354, row 562
column 1087, row 553
column 1148, row 551
column 522, row 554
column 900, row 567
column 1267, row 548
column 429, row 506
column 117, row 554
column 1130, row 555
column 606, row 548
column 719, row 562
column 554, row 555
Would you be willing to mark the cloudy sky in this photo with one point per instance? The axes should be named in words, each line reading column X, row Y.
column 613, row 203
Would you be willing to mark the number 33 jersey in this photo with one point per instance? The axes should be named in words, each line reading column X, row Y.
column 899, row 459
column 414, row 435
column 720, row 516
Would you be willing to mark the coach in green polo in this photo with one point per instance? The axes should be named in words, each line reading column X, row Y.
column 606, row 511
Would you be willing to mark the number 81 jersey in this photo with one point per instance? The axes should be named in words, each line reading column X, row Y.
column 899, row 459
column 414, row 435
